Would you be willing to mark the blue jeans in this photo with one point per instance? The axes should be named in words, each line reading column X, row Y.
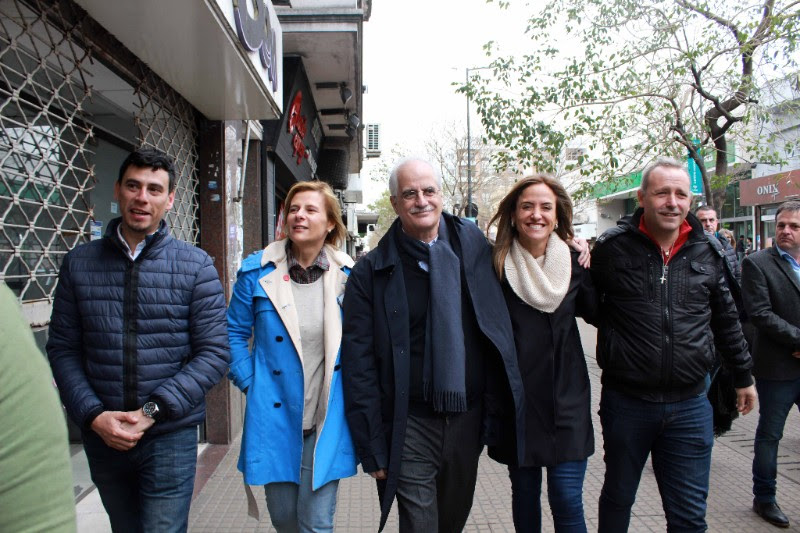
column 564, row 492
column 147, row 488
column 293, row 508
column 679, row 436
column 775, row 399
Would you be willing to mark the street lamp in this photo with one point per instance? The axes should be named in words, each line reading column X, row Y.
column 468, row 209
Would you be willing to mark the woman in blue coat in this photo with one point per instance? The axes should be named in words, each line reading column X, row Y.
column 287, row 299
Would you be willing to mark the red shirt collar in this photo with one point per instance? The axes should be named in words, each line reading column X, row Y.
column 683, row 236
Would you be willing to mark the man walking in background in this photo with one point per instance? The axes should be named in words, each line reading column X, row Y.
column 707, row 216
column 740, row 246
column 138, row 336
column 771, row 291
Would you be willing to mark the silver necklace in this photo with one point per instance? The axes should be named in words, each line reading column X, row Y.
column 665, row 256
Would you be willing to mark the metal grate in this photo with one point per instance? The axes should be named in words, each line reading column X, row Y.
column 46, row 140
column 167, row 121
column 44, row 157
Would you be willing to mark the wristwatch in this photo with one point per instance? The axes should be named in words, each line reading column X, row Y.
column 150, row 409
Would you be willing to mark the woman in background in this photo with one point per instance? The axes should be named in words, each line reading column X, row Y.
column 296, row 441
column 545, row 289
column 728, row 234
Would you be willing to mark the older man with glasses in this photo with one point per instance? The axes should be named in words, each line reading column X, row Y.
column 426, row 344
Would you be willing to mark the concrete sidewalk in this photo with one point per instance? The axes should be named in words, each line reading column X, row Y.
column 221, row 505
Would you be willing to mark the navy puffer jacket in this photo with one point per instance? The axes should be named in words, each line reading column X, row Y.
column 124, row 332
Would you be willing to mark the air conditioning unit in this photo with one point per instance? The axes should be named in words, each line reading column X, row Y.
column 352, row 221
column 352, row 197
column 373, row 140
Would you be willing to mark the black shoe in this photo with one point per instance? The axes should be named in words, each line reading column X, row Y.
column 771, row 512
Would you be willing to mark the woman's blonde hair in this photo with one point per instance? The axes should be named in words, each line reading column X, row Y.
column 506, row 233
column 332, row 209
column 728, row 234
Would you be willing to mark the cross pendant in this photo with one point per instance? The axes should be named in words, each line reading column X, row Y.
column 664, row 275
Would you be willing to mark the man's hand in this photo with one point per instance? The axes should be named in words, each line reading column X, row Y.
column 114, row 428
column 746, row 399
column 142, row 424
column 582, row 246
column 380, row 474
column 796, row 354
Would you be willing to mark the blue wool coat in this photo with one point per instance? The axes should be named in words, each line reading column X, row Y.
column 271, row 373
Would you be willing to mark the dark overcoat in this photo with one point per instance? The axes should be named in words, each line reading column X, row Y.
column 771, row 294
column 376, row 349
column 558, row 419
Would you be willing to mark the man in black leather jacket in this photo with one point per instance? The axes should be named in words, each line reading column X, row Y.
column 665, row 305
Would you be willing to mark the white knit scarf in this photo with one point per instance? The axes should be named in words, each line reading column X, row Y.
column 543, row 282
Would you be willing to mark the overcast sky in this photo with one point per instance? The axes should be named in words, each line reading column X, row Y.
column 413, row 51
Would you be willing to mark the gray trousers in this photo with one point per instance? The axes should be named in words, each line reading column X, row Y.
column 438, row 470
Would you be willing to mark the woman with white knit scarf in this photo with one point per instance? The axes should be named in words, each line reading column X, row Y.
column 545, row 289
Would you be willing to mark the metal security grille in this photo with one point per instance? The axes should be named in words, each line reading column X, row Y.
column 167, row 121
column 46, row 140
column 44, row 168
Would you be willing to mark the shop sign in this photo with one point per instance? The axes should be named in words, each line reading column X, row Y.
column 258, row 32
column 297, row 128
column 770, row 189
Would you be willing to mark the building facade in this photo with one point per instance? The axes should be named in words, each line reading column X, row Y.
column 84, row 82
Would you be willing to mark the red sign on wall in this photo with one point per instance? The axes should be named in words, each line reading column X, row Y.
column 297, row 128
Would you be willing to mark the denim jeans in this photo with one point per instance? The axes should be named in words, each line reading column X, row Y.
column 564, row 492
column 775, row 399
column 679, row 436
column 296, row 508
column 149, row 487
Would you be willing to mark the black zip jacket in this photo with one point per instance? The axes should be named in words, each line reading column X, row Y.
column 656, row 338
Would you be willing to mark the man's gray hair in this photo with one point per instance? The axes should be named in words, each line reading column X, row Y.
column 393, row 176
column 705, row 207
column 789, row 205
column 661, row 162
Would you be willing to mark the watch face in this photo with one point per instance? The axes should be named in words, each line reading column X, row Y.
column 150, row 409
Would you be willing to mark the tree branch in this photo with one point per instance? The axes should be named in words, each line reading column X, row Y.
column 740, row 38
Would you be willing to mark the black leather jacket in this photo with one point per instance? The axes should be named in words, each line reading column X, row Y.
column 656, row 339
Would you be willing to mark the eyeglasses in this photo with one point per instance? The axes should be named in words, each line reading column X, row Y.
column 427, row 192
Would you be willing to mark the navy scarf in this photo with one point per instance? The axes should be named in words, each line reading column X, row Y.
column 444, row 363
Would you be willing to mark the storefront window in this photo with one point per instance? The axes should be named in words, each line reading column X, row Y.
column 732, row 208
column 61, row 143
column 630, row 205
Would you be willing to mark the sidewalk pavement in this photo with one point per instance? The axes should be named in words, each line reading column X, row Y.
column 220, row 506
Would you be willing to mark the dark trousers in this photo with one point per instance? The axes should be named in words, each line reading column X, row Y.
column 679, row 436
column 564, row 493
column 775, row 400
column 438, row 470
column 148, row 488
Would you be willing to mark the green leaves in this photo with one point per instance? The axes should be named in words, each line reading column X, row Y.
column 636, row 79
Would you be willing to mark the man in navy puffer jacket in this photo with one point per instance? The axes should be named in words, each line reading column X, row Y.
column 137, row 338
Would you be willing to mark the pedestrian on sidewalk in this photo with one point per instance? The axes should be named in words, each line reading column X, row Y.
column 707, row 216
column 771, row 290
column 36, row 492
column 137, row 339
column 545, row 288
column 664, row 305
column 427, row 350
column 287, row 298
